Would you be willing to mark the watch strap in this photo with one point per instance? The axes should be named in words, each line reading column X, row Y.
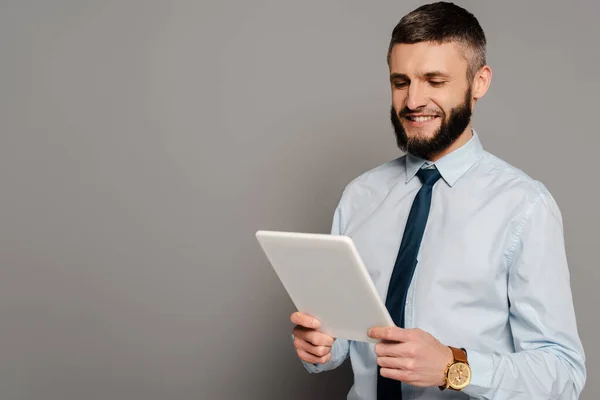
column 460, row 355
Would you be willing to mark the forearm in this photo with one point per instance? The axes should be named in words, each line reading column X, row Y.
column 528, row 375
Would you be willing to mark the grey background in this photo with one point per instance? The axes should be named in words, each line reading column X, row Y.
column 144, row 142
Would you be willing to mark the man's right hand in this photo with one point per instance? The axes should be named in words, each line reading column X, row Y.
column 312, row 346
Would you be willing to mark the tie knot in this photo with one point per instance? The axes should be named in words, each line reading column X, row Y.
column 429, row 176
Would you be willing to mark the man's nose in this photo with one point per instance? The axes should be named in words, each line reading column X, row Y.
column 417, row 97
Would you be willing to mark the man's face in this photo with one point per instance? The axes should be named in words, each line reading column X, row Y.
column 431, row 97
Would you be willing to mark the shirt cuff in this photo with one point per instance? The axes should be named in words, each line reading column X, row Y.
column 312, row 368
column 482, row 367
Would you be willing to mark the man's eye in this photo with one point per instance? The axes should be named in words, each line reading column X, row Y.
column 436, row 83
column 400, row 85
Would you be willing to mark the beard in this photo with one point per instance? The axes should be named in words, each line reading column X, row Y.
column 451, row 128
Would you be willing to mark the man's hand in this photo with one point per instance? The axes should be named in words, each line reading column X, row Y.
column 411, row 355
column 312, row 346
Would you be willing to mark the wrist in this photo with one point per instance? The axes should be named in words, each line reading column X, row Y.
column 448, row 359
column 458, row 374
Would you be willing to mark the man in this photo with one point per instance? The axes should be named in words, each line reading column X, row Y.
column 467, row 251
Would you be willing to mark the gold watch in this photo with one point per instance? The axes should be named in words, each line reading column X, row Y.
column 458, row 373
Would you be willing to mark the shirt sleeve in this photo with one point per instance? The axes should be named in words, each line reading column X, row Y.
column 549, row 360
column 340, row 348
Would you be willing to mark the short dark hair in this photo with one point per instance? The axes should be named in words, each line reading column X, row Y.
column 443, row 22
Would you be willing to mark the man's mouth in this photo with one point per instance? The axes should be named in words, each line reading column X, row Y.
column 420, row 118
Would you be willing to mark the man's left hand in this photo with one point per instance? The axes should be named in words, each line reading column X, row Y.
column 411, row 356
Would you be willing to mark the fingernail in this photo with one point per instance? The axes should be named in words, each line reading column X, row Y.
column 315, row 324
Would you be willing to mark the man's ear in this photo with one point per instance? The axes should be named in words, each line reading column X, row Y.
column 481, row 82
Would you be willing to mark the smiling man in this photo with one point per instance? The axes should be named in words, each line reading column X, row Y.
column 467, row 251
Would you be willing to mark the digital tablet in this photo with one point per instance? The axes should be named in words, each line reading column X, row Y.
column 325, row 277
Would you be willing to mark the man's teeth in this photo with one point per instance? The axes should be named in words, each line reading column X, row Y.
column 422, row 119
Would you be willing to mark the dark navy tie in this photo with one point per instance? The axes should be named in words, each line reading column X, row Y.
column 405, row 267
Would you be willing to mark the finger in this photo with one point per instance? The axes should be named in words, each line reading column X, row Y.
column 319, row 339
column 405, row 364
column 318, row 351
column 313, row 336
column 395, row 349
column 396, row 374
column 305, row 356
column 387, row 349
column 305, row 320
column 392, row 333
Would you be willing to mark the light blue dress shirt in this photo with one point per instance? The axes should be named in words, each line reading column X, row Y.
column 491, row 277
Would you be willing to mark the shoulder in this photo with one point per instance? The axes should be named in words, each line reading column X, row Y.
column 532, row 194
column 509, row 177
column 367, row 189
column 375, row 180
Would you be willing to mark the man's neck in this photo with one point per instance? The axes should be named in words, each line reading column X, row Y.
column 458, row 143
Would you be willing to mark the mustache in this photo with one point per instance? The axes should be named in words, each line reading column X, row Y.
column 428, row 111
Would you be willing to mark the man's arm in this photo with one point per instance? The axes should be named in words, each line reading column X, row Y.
column 549, row 362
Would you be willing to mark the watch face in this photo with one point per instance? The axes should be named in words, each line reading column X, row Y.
column 459, row 375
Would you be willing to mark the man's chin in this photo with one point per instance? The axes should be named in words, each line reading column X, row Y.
column 421, row 133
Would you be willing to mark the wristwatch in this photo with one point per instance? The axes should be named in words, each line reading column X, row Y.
column 458, row 373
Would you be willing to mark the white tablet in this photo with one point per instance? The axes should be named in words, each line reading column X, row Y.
column 325, row 277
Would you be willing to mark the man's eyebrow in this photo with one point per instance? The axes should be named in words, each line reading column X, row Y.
column 436, row 74
column 397, row 75
column 427, row 75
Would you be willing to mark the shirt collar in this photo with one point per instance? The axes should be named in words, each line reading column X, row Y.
column 453, row 165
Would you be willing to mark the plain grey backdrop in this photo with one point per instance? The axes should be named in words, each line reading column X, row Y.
column 143, row 143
